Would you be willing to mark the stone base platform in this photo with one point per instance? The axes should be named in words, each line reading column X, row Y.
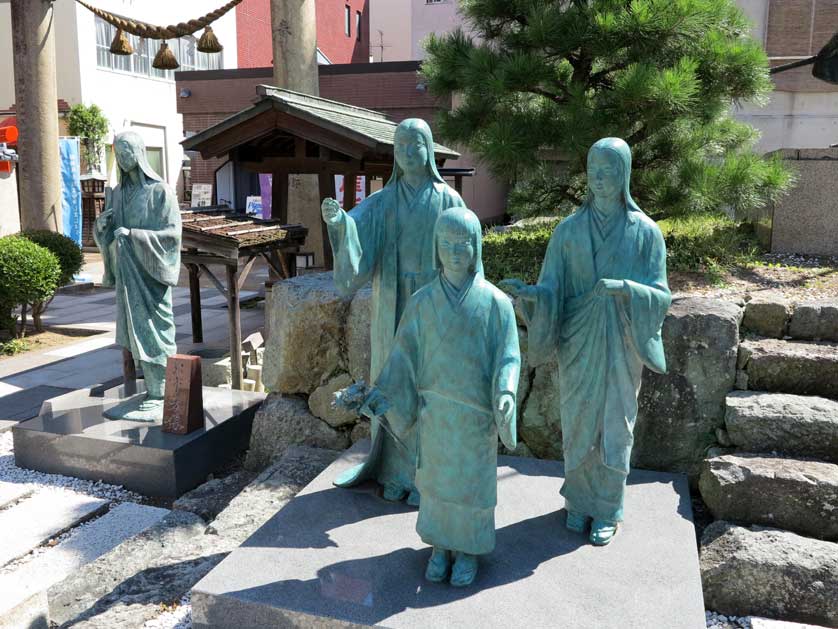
column 71, row 437
column 346, row 558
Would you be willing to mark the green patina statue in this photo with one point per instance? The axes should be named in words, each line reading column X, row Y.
column 452, row 377
column 601, row 299
column 139, row 237
column 388, row 238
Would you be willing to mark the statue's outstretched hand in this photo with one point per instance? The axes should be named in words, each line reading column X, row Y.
column 503, row 417
column 375, row 404
column 609, row 287
column 121, row 231
column 330, row 210
column 519, row 289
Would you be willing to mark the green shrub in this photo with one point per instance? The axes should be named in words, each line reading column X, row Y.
column 708, row 243
column 69, row 254
column 29, row 273
column 13, row 346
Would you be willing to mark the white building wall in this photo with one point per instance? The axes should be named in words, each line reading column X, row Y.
column 431, row 17
column 390, row 25
column 146, row 103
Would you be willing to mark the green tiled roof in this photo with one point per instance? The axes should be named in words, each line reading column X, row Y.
column 363, row 125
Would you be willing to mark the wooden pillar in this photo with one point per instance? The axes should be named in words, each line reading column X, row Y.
column 458, row 183
column 129, row 373
column 279, row 196
column 235, row 325
column 350, row 182
column 195, row 303
column 327, row 190
column 367, row 185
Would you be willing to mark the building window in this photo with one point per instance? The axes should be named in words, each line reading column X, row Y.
column 434, row 1
column 358, row 25
column 139, row 62
column 347, row 20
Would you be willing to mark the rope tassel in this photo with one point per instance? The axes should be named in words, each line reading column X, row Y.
column 209, row 42
column 120, row 44
column 165, row 58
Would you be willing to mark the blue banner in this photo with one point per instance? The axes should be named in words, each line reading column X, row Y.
column 71, row 187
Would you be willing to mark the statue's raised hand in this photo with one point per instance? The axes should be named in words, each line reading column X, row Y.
column 503, row 418
column 375, row 404
column 330, row 210
column 121, row 231
column 517, row 288
column 609, row 287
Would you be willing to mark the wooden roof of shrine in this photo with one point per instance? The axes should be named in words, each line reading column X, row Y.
column 298, row 133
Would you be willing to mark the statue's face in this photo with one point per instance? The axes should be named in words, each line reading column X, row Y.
column 125, row 156
column 605, row 174
column 411, row 152
column 456, row 249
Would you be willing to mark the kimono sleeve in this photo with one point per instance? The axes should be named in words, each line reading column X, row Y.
column 648, row 301
column 157, row 245
column 507, row 359
column 543, row 316
column 357, row 242
column 398, row 380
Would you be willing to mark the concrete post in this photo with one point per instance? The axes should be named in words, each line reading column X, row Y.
column 294, row 27
column 36, row 100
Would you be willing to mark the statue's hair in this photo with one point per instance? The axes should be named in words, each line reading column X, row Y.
column 619, row 149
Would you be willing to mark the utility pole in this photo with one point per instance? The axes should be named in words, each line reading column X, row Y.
column 36, row 102
column 381, row 45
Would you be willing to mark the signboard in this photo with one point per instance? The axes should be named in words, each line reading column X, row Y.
column 201, row 194
column 360, row 189
column 253, row 206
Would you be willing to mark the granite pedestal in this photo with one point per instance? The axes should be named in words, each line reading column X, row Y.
column 71, row 437
column 346, row 558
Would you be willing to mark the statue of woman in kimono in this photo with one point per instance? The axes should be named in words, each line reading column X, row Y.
column 139, row 237
column 388, row 238
column 601, row 299
column 452, row 376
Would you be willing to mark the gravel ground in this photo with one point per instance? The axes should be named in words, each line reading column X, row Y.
column 720, row 621
column 177, row 617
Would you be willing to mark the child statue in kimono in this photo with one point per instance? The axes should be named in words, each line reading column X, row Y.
column 601, row 299
column 139, row 237
column 453, row 372
column 388, row 239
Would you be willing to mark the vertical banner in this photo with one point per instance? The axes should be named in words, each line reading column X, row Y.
column 360, row 189
column 266, row 189
column 70, row 158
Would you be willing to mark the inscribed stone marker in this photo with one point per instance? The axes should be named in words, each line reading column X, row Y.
column 183, row 407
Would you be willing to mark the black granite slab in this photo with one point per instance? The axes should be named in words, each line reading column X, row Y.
column 342, row 558
column 71, row 437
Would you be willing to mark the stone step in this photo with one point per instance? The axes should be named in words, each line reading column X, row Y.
column 799, row 367
column 769, row 623
column 799, row 425
column 10, row 493
column 41, row 517
column 87, row 542
column 768, row 572
column 793, row 494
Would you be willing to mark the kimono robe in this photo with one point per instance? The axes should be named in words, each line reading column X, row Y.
column 388, row 238
column 603, row 344
column 144, row 265
column 454, row 354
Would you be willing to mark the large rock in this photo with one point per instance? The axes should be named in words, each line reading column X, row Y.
column 680, row 411
column 211, row 498
column 801, row 367
column 540, row 425
column 768, row 572
column 815, row 320
column 767, row 315
column 525, row 378
column 357, row 337
column 800, row 425
column 307, row 318
column 792, row 494
column 320, row 402
column 286, row 421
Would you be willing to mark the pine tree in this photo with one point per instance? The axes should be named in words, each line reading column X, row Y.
column 540, row 80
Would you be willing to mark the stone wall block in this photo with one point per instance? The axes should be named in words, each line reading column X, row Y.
column 799, row 367
column 679, row 411
column 540, row 425
column 767, row 315
column 320, row 402
column 357, row 336
column 305, row 348
column 768, row 572
column 792, row 494
column 815, row 321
